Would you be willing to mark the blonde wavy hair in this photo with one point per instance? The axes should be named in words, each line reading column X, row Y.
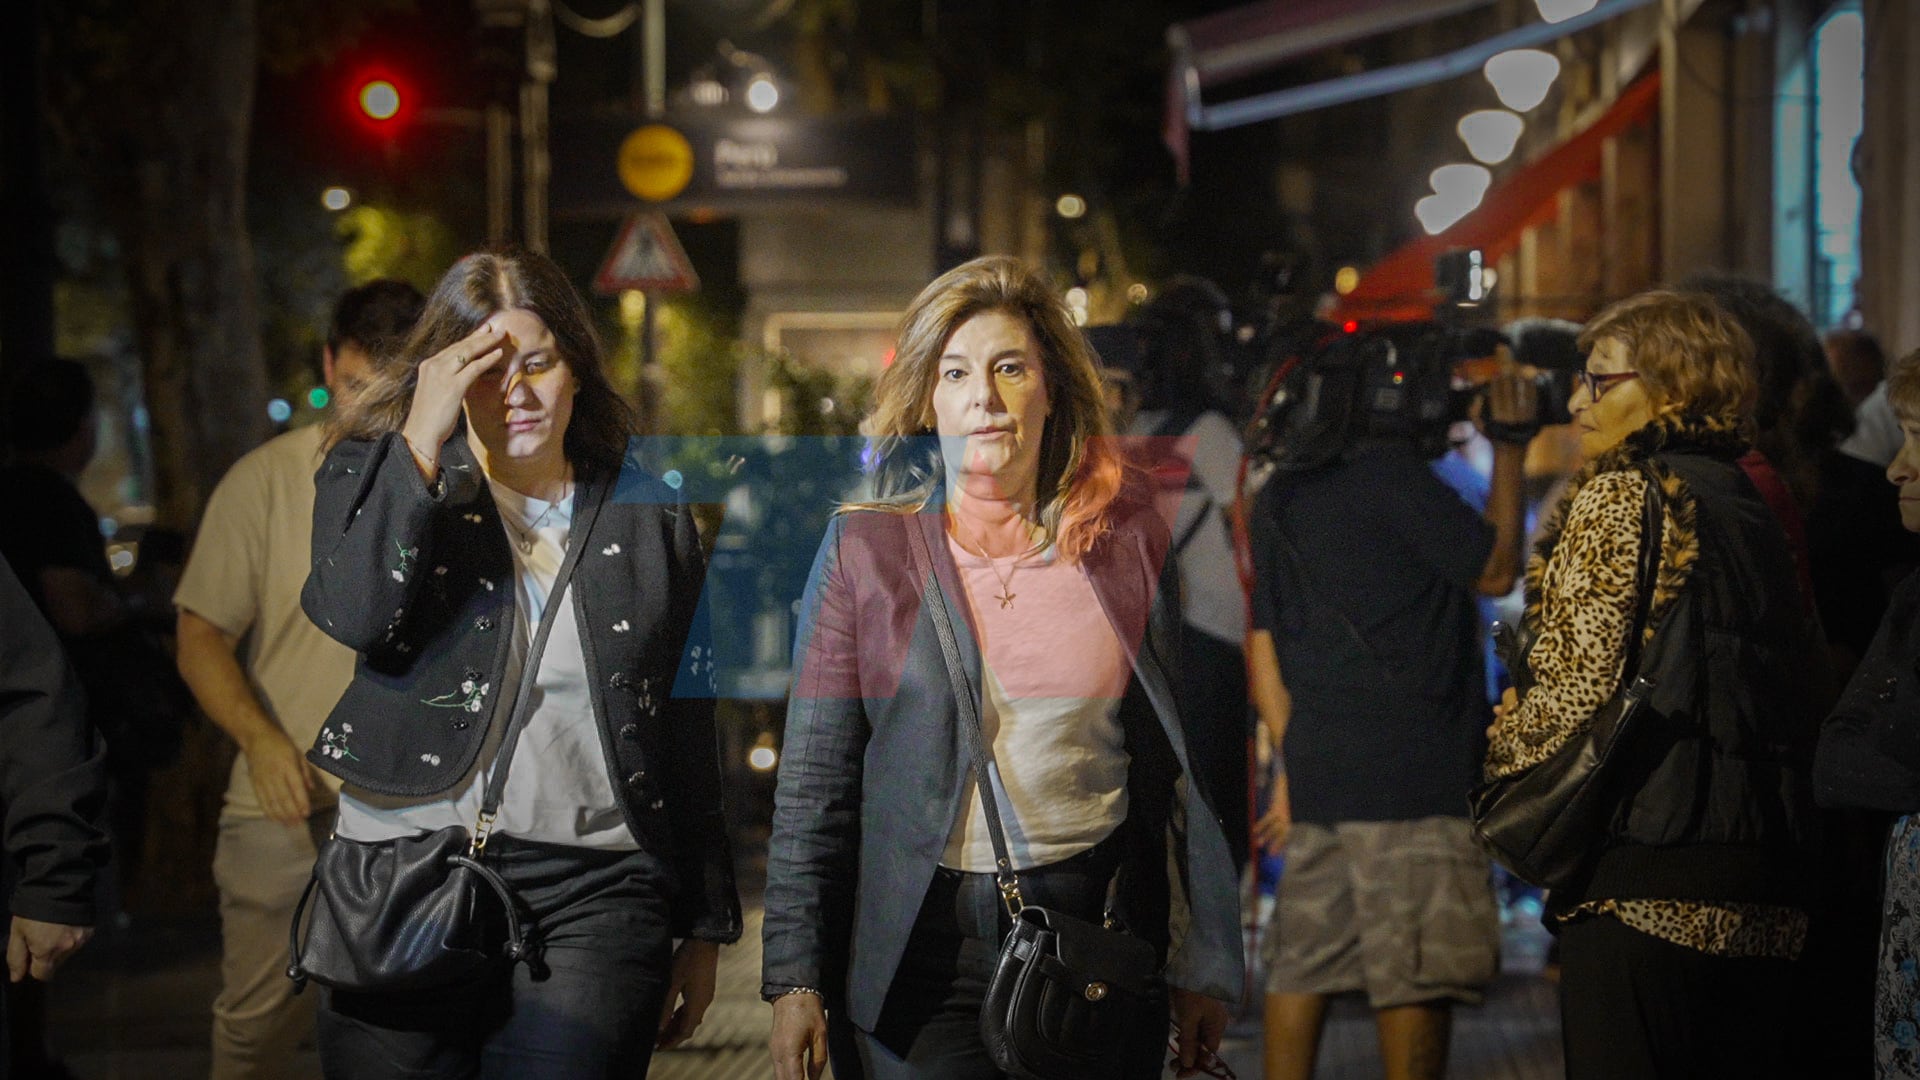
column 1903, row 387
column 1693, row 358
column 1082, row 471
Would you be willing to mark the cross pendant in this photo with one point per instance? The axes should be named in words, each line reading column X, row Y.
column 1006, row 598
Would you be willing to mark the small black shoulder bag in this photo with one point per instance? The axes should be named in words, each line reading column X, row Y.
column 1068, row 997
column 418, row 912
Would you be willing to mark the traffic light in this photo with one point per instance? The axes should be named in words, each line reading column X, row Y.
column 381, row 101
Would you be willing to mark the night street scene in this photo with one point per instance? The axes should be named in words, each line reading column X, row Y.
column 960, row 539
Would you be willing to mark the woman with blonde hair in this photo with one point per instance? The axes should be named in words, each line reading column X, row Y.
column 993, row 469
column 1679, row 930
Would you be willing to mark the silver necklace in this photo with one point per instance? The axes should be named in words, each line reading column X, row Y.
column 523, row 538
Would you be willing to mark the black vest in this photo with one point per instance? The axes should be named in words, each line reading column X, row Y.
column 1717, row 798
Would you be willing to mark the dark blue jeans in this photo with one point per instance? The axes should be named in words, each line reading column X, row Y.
column 930, row 1026
column 587, row 1007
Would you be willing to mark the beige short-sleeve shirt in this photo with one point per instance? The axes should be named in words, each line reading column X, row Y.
column 248, row 566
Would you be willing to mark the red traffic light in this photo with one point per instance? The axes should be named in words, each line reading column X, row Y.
column 379, row 100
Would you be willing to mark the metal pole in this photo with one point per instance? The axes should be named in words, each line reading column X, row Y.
column 499, row 122
column 656, row 47
column 541, row 68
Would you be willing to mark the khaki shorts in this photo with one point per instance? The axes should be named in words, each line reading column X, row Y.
column 1401, row 909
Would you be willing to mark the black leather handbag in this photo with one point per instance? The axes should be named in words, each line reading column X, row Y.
column 1547, row 822
column 423, row 911
column 1068, row 997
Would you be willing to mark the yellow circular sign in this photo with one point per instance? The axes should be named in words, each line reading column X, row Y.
column 656, row 162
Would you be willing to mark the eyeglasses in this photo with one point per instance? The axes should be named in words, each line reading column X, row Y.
column 1598, row 385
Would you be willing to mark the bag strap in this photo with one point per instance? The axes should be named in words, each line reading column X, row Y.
column 968, row 702
column 1646, row 574
column 530, row 668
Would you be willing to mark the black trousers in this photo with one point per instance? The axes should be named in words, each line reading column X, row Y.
column 1634, row 1007
column 930, row 1025
column 587, row 1008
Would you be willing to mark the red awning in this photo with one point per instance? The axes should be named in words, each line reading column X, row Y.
column 1401, row 286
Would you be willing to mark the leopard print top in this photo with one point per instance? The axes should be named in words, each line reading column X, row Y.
column 1586, row 597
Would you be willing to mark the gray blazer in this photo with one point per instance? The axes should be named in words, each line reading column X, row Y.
column 876, row 765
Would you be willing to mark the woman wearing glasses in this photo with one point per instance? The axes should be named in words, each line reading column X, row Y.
column 1677, row 941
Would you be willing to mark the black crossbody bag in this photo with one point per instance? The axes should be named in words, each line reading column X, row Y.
column 1547, row 822
column 1068, row 997
column 418, row 912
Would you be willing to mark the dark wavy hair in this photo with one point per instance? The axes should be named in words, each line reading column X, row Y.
column 478, row 287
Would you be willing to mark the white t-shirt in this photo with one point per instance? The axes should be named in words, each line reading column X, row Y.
column 558, row 787
column 1054, row 672
column 1211, row 599
column 250, row 561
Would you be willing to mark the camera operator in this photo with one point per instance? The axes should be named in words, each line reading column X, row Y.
column 1367, row 570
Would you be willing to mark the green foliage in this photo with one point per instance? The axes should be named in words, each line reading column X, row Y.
column 414, row 246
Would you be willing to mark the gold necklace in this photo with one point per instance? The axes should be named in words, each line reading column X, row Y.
column 1007, row 595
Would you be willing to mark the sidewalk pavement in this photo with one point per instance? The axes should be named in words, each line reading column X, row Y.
column 134, row 1006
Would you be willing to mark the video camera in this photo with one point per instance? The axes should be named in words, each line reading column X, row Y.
column 1408, row 380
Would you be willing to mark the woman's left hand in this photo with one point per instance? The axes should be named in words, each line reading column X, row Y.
column 690, row 986
column 1201, row 1022
column 1509, row 701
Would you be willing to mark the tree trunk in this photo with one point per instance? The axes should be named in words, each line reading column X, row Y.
column 189, row 258
column 26, row 213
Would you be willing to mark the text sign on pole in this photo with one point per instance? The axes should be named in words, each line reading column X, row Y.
column 645, row 256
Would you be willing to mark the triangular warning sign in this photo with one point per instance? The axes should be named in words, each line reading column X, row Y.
column 645, row 256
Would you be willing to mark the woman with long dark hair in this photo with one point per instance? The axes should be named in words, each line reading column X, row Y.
column 465, row 491
column 993, row 469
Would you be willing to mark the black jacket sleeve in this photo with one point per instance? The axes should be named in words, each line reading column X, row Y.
column 708, row 903
column 53, row 779
column 1869, row 752
column 372, row 514
column 813, row 855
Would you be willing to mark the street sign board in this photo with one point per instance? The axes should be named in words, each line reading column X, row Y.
column 645, row 256
column 732, row 164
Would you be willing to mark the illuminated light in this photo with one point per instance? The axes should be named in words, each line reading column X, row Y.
column 380, row 100
column 318, row 397
column 709, row 92
column 1438, row 213
column 1351, row 326
column 887, row 360
column 1137, row 293
column 1522, row 77
column 1345, row 280
column 762, row 94
column 279, row 411
column 633, row 307
column 1079, row 316
column 1399, row 377
column 1070, row 206
column 1466, row 183
column 1489, row 277
column 121, row 560
column 1077, row 297
column 336, row 198
column 1557, row 11
column 1490, row 134
column 672, row 479
column 763, row 757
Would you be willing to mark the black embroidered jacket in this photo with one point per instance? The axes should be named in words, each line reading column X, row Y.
column 421, row 584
